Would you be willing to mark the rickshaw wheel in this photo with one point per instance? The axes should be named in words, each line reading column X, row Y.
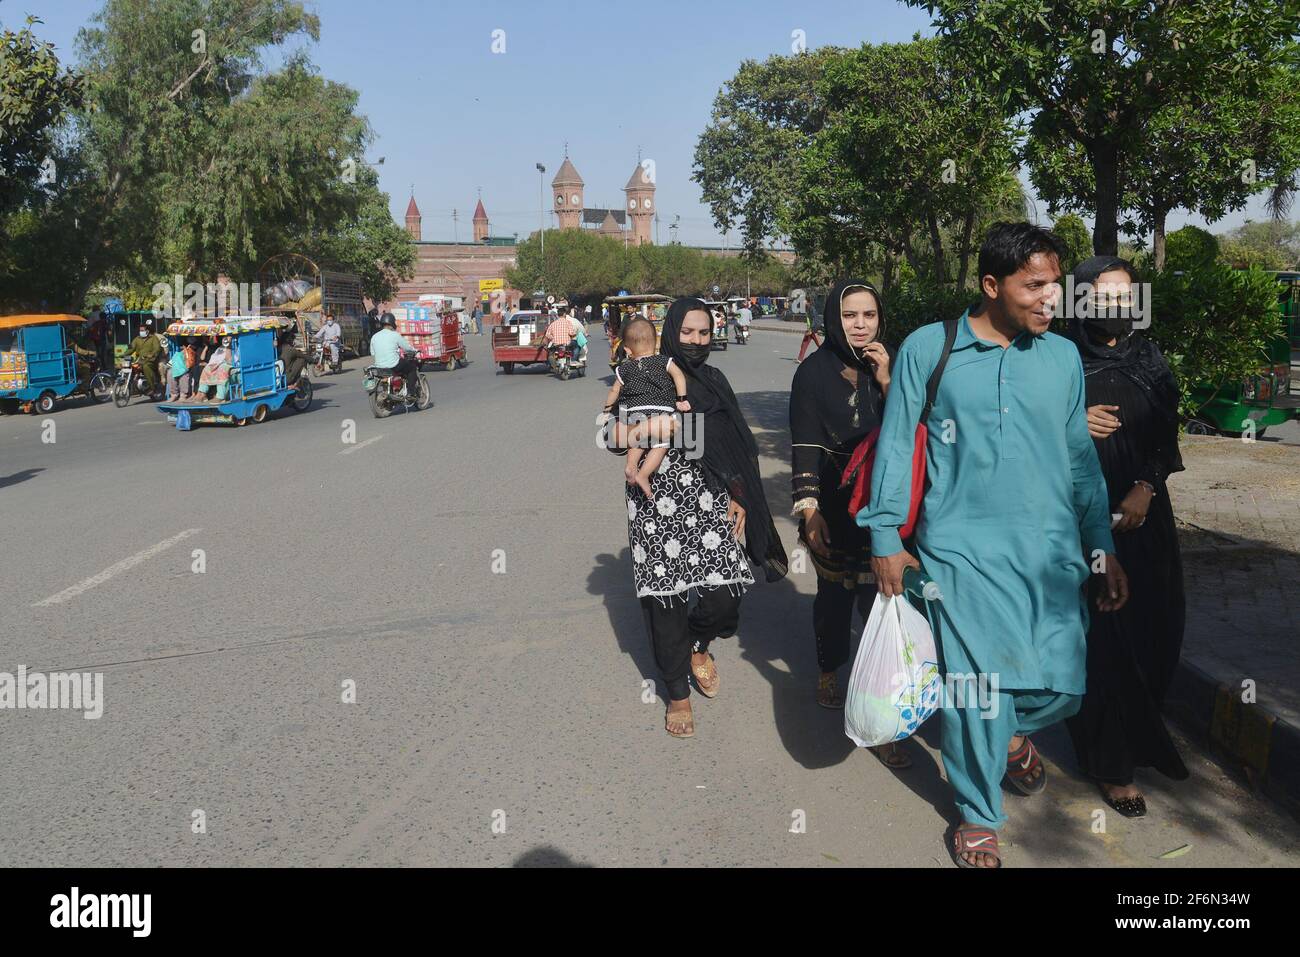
column 301, row 400
column 101, row 387
column 121, row 395
column 1198, row 428
column 259, row 414
column 44, row 404
column 451, row 364
column 240, row 422
column 509, row 368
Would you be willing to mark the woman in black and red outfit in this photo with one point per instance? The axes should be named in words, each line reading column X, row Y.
column 836, row 399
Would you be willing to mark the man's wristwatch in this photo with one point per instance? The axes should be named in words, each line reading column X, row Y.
column 1146, row 485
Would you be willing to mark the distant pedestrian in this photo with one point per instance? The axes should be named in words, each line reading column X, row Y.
column 478, row 319
column 1132, row 400
column 809, row 337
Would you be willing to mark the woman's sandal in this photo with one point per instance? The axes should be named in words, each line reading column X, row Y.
column 891, row 757
column 1129, row 807
column 1021, row 765
column 706, row 678
column 686, row 721
column 828, row 695
column 977, row 838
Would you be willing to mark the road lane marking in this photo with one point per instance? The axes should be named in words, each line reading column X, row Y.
column 112, row 571
column 358, row 448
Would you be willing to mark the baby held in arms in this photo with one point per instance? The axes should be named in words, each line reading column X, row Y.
column 650, row 387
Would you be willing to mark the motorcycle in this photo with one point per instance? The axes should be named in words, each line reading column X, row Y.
column 742, row 334
column 322, row 360
column 130, row 381
column 563, row 363
column 388, row 392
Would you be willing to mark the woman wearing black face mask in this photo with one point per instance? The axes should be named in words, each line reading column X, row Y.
column 707, row 497
column 1132, row 653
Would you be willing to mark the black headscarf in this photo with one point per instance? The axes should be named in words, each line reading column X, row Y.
column 730, row 454
column 1132, row 355
column 869, row 401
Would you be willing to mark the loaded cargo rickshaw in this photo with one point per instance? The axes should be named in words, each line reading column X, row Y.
column 296, row 288
column 652, row 306
column 1265, row 398
column 434, row 329
column 255, row 388
column 38, row 364
column 519, row 341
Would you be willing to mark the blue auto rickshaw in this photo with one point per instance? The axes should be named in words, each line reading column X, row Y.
column 256, row 386
column 38, row 365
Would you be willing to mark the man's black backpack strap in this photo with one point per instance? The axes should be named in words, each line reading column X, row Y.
column 932, row 386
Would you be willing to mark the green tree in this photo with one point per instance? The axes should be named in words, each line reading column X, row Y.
column 912, row 155
column 1269, row 245
column 35, row 92
column 747, row 158
column 1098, row 76
column 1073, row 232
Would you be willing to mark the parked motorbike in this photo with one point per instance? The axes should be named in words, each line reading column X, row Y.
column 563, row 363
column 388, row 392
column 130, row 382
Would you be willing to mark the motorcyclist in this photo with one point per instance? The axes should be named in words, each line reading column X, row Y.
column 565, row 330
column 743, row 319
column 389, row 350
column 293, row 358
column 330, row 335
column 146, row 350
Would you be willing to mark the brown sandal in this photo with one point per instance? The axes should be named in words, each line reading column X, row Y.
column 708, row 688
column 688, row 724
column 977, row 838
column 828, row 694
column 891, row 757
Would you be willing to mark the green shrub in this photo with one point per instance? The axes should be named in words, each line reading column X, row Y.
column 916, row 302
column 1190, row 248
column 1213, row 323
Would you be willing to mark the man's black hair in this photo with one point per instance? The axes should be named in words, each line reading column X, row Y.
column 1008, row 246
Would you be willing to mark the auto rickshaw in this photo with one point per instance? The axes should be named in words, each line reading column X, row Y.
column 38, row 364
column 1264, row 398
column 256, row 386
column 652, row 306
column 721, row 314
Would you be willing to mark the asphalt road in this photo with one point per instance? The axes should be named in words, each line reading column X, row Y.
column 485, row 695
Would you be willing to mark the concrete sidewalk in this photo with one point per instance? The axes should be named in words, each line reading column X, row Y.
column 1238, row 685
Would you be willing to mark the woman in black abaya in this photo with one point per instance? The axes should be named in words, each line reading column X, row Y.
column 1132, row 653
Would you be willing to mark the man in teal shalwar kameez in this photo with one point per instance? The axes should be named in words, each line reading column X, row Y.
column 1014, row 520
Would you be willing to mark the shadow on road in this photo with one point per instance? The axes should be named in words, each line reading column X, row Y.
column 17, row 477
column 546, row 856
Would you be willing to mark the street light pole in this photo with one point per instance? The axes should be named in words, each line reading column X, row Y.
column 541, row 214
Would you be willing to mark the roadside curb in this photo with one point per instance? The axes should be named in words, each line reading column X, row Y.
column 1265, row 745
column 795, row 328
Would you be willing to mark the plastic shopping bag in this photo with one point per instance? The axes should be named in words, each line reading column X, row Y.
column 895, row 683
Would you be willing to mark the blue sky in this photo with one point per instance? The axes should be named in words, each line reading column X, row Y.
column 451, row 116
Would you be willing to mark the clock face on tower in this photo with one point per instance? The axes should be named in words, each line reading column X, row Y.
column 575, row 199
column 631, row 204
column 645, row 204
column 559, row 200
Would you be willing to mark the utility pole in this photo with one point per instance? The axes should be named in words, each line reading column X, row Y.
column 455, row 230
column 541, row 212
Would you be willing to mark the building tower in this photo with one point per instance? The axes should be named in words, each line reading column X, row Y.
column 640, row 205
column 413, row 219
column 567, row 187
column 480, row 222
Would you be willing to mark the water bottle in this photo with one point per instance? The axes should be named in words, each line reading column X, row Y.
column 921, row 585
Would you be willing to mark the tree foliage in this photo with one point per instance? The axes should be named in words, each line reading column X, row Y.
column 1128, row 102
column 188, row 157
column 583, row 265
column 35, row 91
